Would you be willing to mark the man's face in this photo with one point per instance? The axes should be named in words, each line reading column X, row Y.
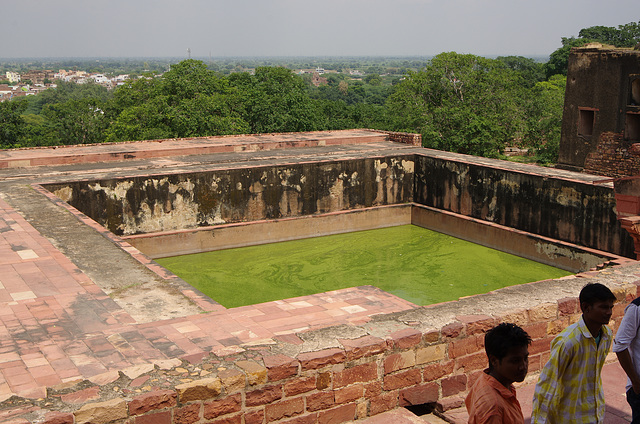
column 599, row 312
column 513, row 367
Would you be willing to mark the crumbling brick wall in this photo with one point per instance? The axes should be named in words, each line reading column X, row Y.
column 611, row 157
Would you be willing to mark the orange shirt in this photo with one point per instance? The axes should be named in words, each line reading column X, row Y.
column 489, row 402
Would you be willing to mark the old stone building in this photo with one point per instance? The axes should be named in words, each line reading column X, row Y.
column 601, row 119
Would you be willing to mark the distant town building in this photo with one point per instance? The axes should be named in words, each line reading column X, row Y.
column 13, row 76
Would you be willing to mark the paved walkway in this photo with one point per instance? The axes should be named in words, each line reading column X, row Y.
column 58, row 325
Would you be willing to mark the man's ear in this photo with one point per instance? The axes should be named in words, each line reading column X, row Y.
column 493, row 361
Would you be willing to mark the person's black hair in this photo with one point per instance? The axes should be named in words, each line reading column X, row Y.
column 595, row 292
column 503, row 337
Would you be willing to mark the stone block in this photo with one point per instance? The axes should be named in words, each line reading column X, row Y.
column 476, row 324
column 385, row 402
column 536, row 330
column 399, row 361
column 299, row 386
column 163, row 417
column 432, row 336
column 224, row 406
column 280, row 367
column 453, row 402
column 284, row 409
column 540, row 345
column 254, row 417
column 263, row 396
column 402, row 379
column 256, row 373
column 418, row 395
column 189, row 414
column 406, row 338
column 433, row 372
column 349, row 394
column 102, row 412
column 81, row 396
column 518, row 317
column 453, row 385
column 321, row 358
column 452, row 330
column 472, row 362
column 204, row 389
column 359, row 373
column 553, row 328
column 363, row 347
column 323, row 380
column 303, row 419
column 568, row 306
column 372, row 389
column 232, row 380
column 153, row 400
column 433, row 353
column 235, row 419
column 340, row 414
column 543, row 312
column 319, row 401
column 55, row 417
column 465, row 346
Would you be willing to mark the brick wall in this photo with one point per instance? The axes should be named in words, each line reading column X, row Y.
column 349, row 373
column 611, row 157
column 406, row 138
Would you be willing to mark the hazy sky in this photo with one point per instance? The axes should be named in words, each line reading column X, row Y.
column 166, row 28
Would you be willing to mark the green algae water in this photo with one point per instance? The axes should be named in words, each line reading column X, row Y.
column 416, row 264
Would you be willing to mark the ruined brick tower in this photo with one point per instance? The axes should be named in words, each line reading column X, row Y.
column 601, row 118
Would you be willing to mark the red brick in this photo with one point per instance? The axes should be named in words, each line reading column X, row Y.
column 321, row 400
column 535, row 363
column 153, row 400
column 254, row 417
column 359, row 373
column 263, row 396
column 300, row 385
column 81, row 396
column 372, row 389
column 55, row 417
column 385, row 402
column 322, row 358
column 349, row 394
column 452, row 402
column 432, row 336
column 187, row 415
column 305, row 419
column 453, row 385
column 280, row 367
column 223, row 406
column 363, row 346
column 163, row 417
column 465, row 346
column 477, row 324
column 338, row 415
column 568, row 306
column 472, row 362
column 402, row 379
column 435, row 371
column 418, row 395
column 452, row 330
column 406, row 339
column 399, row 361
column 537, row 330
column 236, row 419
column 540, row 345
column 284, row 409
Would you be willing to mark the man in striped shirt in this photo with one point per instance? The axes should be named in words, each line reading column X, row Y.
column 569, row 389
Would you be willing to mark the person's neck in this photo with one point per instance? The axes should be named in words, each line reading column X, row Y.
column 501, row 380
column 594, row 327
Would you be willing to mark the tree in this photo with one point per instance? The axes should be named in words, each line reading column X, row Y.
column 12, row 126
column 78, row 121
column 460, row 103
column 627, row 35
column 559, row 60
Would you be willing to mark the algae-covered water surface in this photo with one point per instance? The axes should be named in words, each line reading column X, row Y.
column 411, row 262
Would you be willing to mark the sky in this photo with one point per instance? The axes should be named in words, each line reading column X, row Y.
column 223, row 28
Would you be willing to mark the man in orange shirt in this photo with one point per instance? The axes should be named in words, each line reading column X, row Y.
column 492, row 399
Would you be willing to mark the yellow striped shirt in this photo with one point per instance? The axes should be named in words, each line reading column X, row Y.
column 569, row 389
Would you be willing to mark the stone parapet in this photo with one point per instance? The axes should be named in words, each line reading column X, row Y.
column 427, row 355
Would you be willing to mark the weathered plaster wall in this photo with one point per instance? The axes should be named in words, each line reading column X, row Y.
column 563, row 209
column 173, row 202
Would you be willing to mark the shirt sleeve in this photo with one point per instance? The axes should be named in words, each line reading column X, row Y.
column 544, row 396
column 628, row 329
